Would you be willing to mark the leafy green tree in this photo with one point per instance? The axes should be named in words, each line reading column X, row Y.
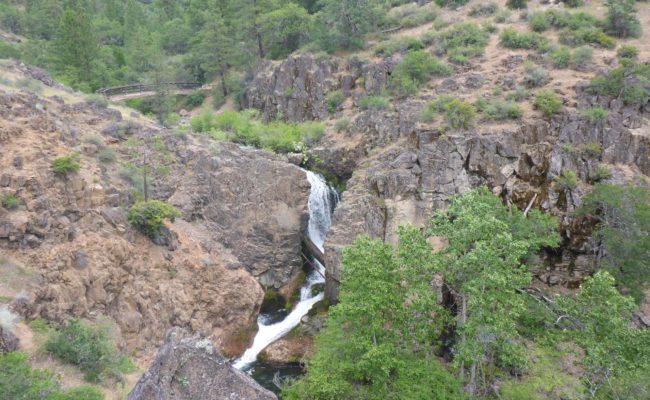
column 214, row 48
column 621, row 19
column 343, row 23
column 380, row 340
column 483, row 266
column 76, row 44
column 285, row 29
column 149, row 216
column 623, row 217
column 599, row 319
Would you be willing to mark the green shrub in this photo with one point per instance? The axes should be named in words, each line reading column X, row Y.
column 457, row 114
column 414, row 70
column 621, row 20
column 194, row 99
column 78, row 393
column 94, row 139
column 499, row 110
column 88, row 347
column 519, row 94
column 9, row 51
column 411, row 15
column 628, row 51
column 573, row 3
column 535, row 76
column 592, row 149
column 601, row 173
column 629, row 82
column 567, row 181
column 462, row 42
column 502, row 16
column 97, row 100
column 594, row 114
column 538, row 21
column 586, row 35
column 106, row 156
column 374, row 102
column 548, row 103
column 10, row 201
column 398, row 45
column 66, row 164
column 483, row 9
column 243, row 127
column 453, row 4
column 18, row 381
column 517, row 4
column 582, row 57
column 334, row 101
column 561, row 57
column 342, row 124
column 148, row 216
column 513, row 39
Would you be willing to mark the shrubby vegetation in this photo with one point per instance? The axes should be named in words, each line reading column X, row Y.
column 149, row 216
column 511, row 38
column 18, row 381
column 10, row 201
column 90, row 348
column 414, row 71
column 374, row 103
column 463, row 41
column 629, row 82
column 456, row 113
column 244, row 127
column 548, row 103
column 66, row 164
column 623, row 215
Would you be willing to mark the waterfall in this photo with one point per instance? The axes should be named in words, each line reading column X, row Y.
column 322, row 200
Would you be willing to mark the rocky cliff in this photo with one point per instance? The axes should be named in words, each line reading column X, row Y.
column 243, row 215
column 399, row 170
column 188, row 367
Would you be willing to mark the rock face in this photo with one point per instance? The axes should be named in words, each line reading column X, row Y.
column 189, row 367
column 252, row 203
column 406, row 182
column 294, row 90
column 243, row 216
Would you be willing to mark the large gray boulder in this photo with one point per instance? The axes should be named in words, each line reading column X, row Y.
column 251, row 202
column 189, row 367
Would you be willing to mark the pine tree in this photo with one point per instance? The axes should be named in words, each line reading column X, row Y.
column 343, row 23
column 76, row 44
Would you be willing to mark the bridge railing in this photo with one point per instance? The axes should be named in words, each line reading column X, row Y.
column 139, row 88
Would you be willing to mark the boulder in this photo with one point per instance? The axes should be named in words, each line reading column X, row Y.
column 8, row 341
column 189, row 367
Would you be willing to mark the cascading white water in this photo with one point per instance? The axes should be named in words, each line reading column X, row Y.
column 322, row 200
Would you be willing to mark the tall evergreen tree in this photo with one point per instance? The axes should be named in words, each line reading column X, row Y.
column 76, row 43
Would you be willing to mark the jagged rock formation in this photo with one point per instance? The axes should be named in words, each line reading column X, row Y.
column 8, row 341
column 399, row 171
column 244, row 213
column 254, row 204
column 407, row 182
column 189, row 367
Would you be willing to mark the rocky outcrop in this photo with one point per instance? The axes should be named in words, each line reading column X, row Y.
column 252, row 203
column 243, row 215
column 8, row 341
column 406, row 182
column 190, row 367
column 293, row 90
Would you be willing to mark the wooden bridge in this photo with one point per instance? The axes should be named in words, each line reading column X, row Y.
column 119, row 93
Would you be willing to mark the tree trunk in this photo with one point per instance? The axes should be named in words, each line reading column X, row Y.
column 224, row 89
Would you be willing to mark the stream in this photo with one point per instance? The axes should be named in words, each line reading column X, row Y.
column 322, row 200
